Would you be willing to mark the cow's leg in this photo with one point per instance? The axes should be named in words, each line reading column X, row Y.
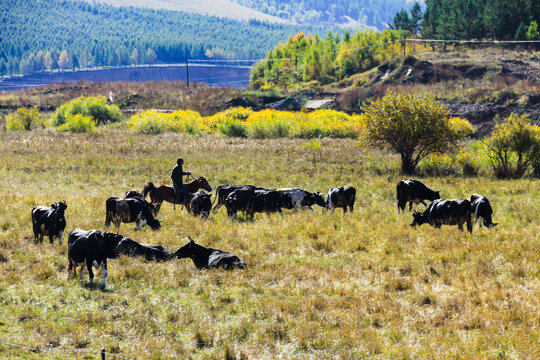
column 351, row 208
column 423, row 202
column 51, row 240
column 480, row 219
column 280, row 213
column 90, row 272
column 60, row 237
column 104, row 282
column 469, row 226
column 460, row 226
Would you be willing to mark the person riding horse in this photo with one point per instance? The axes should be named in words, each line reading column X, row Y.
column 176, row 177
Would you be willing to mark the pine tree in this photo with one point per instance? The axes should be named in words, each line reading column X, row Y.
column 521, row 33
column 63, row 60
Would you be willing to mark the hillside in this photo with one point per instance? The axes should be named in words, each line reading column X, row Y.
column 219, row 8
column 53, row 34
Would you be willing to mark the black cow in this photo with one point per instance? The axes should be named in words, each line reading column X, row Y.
column 201, row 204
column 342, row 196
column 251, row 201
column 49, row 221
column 131, row 209
column 414, row 191
column 205, row 258
column 446, row 212
column 223, row 191
column 94, row 247
column 238, row 200
column 481, row 210
column 300, row 199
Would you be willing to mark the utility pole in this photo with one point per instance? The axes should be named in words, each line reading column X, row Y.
column 187, row 71
column 404, row 46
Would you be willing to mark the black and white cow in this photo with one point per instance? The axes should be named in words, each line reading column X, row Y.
column 481, row 210
column 223, row 191
column 301, row 199
column 207, row 258
column 341, row 197
column 131, row 209
column 132, row 248
column 413, row 191
column 446, row 212
column 49, row 221
column 201, row 204
column 93, row 247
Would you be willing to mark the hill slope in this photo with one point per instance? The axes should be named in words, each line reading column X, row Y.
column 220, row 8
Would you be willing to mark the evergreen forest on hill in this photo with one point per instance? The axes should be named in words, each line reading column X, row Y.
column 371, row 13
column 52, row 34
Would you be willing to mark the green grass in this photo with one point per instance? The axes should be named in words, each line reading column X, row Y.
column 319, row 286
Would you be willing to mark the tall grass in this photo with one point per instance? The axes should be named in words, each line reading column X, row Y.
column 323, row 285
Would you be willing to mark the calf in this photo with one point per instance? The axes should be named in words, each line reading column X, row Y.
column 342, row 197
column 481, row 210
column 301, row 199
column 201, row 204
column 49, row 221
column 446, row 212
column 131, row 209
column 206, row 258
column 414, row 191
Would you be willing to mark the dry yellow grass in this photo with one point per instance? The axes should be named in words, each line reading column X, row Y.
column 317, row 286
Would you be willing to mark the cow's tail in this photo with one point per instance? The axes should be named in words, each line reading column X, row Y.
column 110, row 208
column 218, row 190
column 148, row 187
column 468, row 218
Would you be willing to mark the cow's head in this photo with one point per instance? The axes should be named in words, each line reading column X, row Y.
column 419, row 218
column 436, row 195
column 60, row 208
column 109, row 242
column 318, row 198
column 186, row 250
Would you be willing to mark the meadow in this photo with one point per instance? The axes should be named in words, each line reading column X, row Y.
column 317, row 286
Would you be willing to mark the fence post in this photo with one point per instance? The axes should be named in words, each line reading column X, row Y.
column 102, row 354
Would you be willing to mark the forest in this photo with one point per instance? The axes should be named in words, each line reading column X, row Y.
column 318, row 12
column 53, row 34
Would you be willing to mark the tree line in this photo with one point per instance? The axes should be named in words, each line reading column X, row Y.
column 54, row 34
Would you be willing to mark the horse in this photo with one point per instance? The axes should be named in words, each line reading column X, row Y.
column 163, row 192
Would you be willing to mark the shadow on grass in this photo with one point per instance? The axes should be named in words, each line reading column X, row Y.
column 96, row 286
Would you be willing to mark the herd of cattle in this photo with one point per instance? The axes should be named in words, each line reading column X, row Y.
column 94, row 247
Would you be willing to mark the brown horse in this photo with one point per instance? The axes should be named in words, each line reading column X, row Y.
column 163, row 192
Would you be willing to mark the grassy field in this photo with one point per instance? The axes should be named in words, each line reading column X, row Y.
column 317, row 286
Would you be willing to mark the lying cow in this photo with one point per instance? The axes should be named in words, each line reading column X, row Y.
column 200, row 204
column 481, row 210
column 446, row 212
column 301, row 199
column 414, row 191
column 49, row 221
column 131, row 209
column 342, row 197
column 206, row 258
column 223, row 191
column 94, row 247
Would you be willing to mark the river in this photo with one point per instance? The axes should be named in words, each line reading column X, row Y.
column 234, row 76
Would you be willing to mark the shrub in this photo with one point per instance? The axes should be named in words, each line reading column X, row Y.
column 469, row 166
column 148, row 122
column 153, row 122
column 24, row 119
column 513, row 146
column 96, row 107
column 438, row 164
column 78, row 124
column 413, row 127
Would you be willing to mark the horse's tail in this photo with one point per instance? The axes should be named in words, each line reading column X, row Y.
column 148, row 187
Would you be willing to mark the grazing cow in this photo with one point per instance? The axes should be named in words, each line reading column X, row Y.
column 481, row 210
column 414, row 191
column 223, row 191
column 201, row 204
column 342, row 197
column 131, row 209
column 49, row 221
column 301, row 199
column 207, row 258
column 446, row 212
column 94, row 247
